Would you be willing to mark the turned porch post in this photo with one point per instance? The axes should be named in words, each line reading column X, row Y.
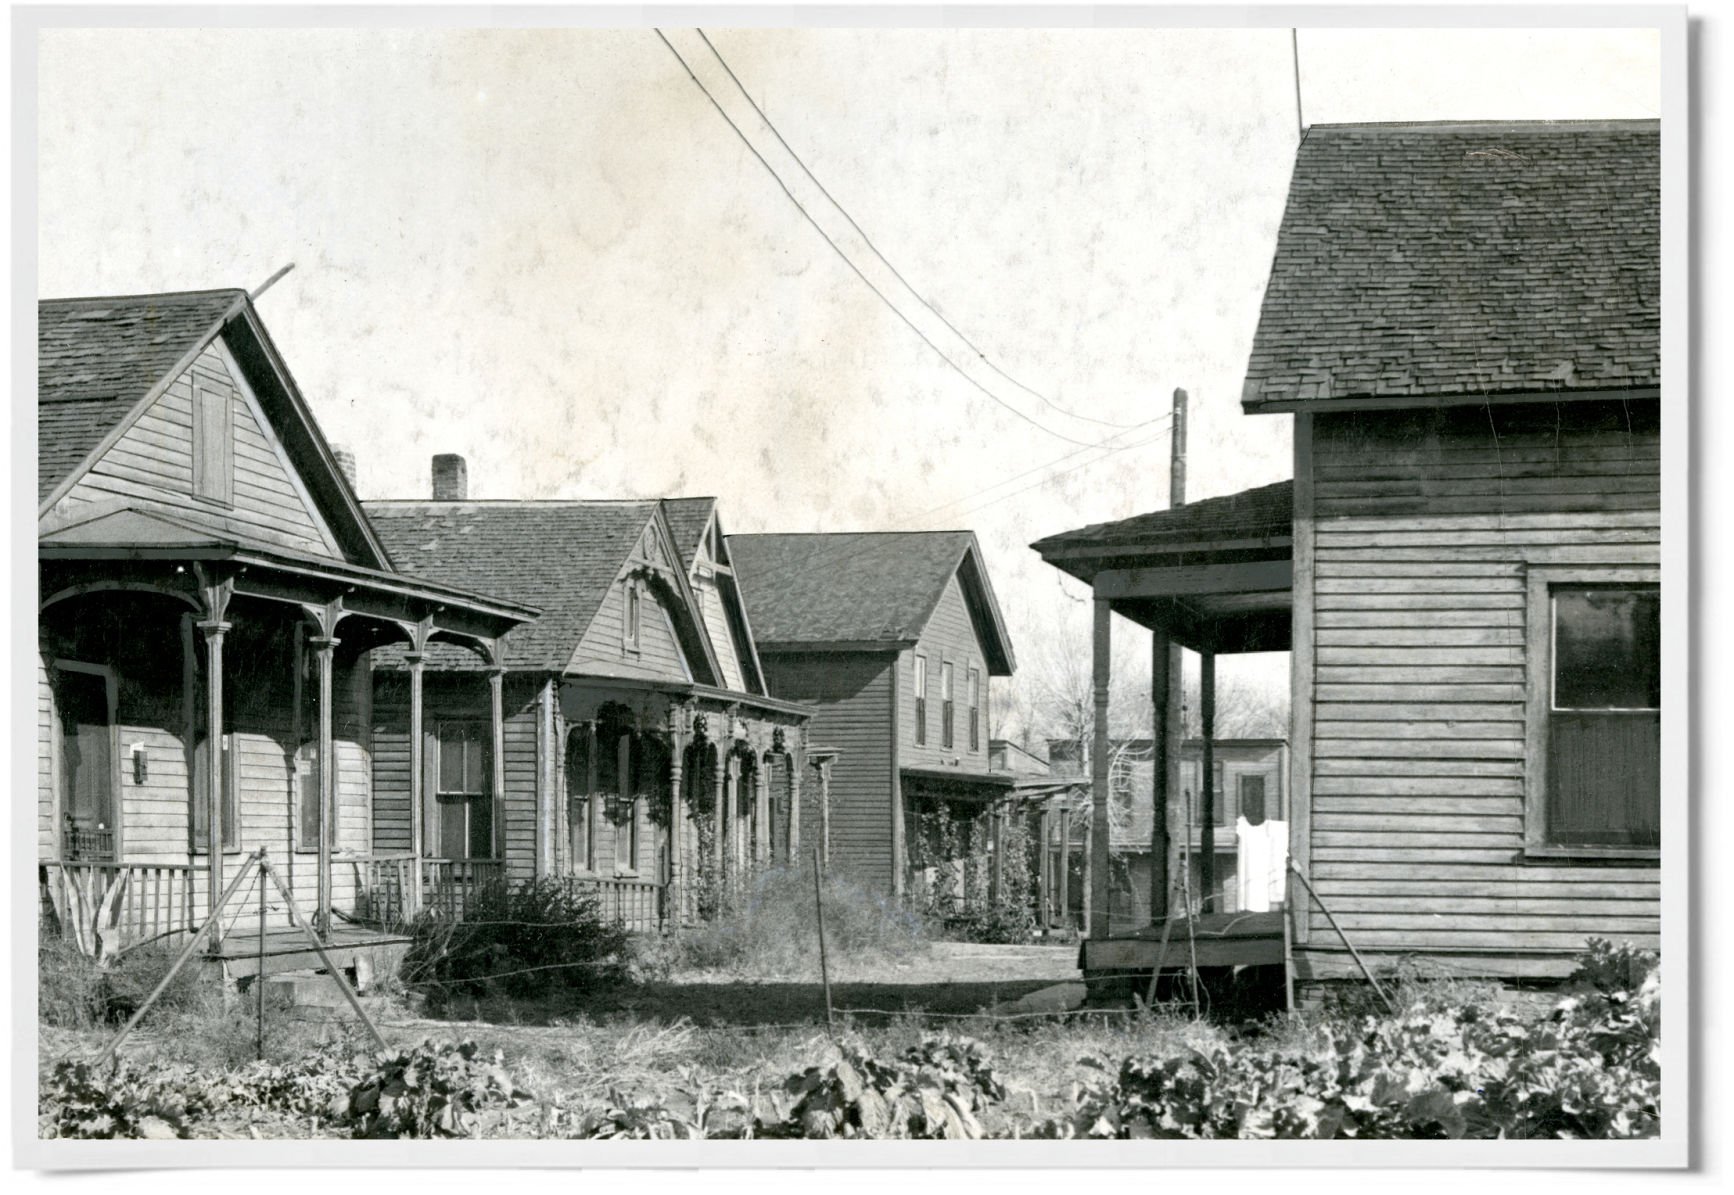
column 1064, row 903
column 825, row 811
column 213, row 631
column 497, row 721
column 761, row 811
column 324, row 651
column 1164, row 754
column 675, row 900
column 731, row 807
column 417, row 848
column 1097, row 898
column 797, row 760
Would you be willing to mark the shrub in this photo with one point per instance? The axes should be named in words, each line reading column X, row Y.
column 771, row 931
column 542, row 935
column 69, row 985
column 76, row 991
column 82, row 1100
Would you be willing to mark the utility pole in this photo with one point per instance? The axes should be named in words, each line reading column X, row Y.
column 1167, row 697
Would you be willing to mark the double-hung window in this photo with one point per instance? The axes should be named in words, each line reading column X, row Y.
column 921, row 700
column 945, row 704
column 1593, row 764
column 632, row 616
column 463, row 791
column 974, row 692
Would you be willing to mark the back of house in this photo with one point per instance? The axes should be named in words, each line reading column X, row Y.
column 892, row 638
column 1464, row 321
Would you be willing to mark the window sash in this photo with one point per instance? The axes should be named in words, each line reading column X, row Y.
column 921, row 699
column 1592, row 776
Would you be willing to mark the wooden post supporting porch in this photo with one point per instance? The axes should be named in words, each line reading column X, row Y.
column 797, row 762
column 675, row 898
column 213, row 631
column 417, row 847
column 324, row 651
column 497, row 724
column 1101, row 667
column 1165, row 674
column 1207, row 783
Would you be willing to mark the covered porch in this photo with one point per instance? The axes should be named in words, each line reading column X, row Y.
column 1215, row 577
column 202, row 697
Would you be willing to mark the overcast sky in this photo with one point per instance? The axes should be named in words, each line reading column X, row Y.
column 547, row 251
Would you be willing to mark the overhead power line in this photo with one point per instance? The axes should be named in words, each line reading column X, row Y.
column 926, row 335
column 895, row 272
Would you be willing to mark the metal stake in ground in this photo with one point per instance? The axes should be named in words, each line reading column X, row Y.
column 1359, row 961
column 259, row 974
column 824, row 964
column 181, row 959
column 319, row 948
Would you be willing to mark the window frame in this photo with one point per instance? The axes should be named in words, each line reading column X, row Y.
column 1539, row 583
column 972, row 681
column 632, row 619
column 116, row 773
column 484, row 743
column 947, row 706
column 919, row 680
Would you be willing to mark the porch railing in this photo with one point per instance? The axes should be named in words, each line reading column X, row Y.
column 105, row 908
column 448, row 886
column 87, row 845
column 638, row 905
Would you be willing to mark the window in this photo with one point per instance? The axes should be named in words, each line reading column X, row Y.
column 945, row 704
column 921, row 699
column 629, row 629
column 213, row 443
column 578, row 799
column 1252, row 800
column 1219, row 807
column 201, row 821
column 974, row 692
column 1594, row 758
column 463, row 792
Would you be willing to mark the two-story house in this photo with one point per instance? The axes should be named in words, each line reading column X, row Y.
column 892, row 639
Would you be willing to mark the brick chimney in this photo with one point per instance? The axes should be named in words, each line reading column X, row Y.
column 451, row 478
column 345, row 463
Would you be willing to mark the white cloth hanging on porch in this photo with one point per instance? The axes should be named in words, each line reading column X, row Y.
column 1262, row 864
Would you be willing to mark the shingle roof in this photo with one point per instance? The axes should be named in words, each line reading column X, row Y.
column 869, row 587
column 1261, row 513
column 1452, row 259
column 687, row 519
column 96, row 358
column 559, row 557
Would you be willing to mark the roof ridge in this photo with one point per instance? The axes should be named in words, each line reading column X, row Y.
column 448, row 502
column 157, row 294
column 826, row 534
column 1532, row 125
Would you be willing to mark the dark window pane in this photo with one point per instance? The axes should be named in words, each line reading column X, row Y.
column 481, row 828
column 1604, row 779
column 452, row 839
column 478, row 776
column 1607, row 649
column 451, row 758
column 1252, row 799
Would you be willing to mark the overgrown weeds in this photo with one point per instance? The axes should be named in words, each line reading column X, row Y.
column 769, row 930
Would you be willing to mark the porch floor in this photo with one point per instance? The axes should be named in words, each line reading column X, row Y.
column 286, row 949
column 1220, row 940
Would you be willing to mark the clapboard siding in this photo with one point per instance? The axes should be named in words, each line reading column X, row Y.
column 151, row 466
column 949, row 636
column 1426, row 524
column 851, row 698
column 659, row 656
column 716, row 624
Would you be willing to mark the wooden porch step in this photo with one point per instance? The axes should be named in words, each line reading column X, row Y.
column 369, row 957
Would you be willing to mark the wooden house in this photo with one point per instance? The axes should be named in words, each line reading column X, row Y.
column 1463, row 322
column 892, row 638
column 642, row 750
column 210, row 592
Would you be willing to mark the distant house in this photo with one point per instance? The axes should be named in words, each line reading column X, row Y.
column 1464, row 322
column 1251, row 778
column 892, row 638
column 210, row 596
column 642, row 750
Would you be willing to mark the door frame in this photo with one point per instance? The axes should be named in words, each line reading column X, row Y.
column 57, row 772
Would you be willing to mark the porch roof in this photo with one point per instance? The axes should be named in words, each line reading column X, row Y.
column 131, row 535
column 1215, row 575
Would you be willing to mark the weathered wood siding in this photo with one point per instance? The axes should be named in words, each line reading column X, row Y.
column 151, row 466
column 716, row 623
column 852, row 700
column 659, row 656
column 948, row 637
column 1426, row 522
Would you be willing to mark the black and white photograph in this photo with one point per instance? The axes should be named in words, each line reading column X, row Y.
column 613, row 586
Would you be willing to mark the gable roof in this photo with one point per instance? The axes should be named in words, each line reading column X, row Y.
column 101, row 361
column 561, row 557
column 688, row 519
column 1463, row 260
column 97, row 358
column 869, row 589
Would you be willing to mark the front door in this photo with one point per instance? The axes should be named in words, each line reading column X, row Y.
column 84, row 698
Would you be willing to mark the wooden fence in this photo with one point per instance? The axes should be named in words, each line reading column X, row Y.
column 106, row 908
